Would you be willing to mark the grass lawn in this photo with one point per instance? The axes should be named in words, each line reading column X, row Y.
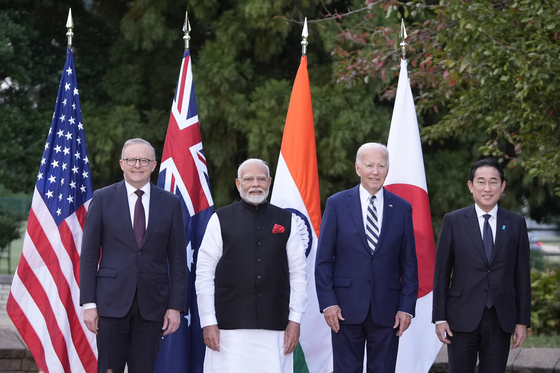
column 15, row 253
column 543, row 341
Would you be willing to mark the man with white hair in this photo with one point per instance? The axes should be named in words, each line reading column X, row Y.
column 251, row 281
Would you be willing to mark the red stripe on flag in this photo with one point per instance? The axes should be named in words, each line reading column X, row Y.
column 423, row 233
column 26, row 330
column 181, row 88
column 81, row 215
column 68, row 242
column 50, row 259
column 41, row 299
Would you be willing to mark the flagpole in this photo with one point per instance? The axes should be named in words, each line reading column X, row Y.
column 187, row 30
column 403, row 36
column 70, row 27
column 304, row 35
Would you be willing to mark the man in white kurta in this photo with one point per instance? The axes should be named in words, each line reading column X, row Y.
column 250, row 348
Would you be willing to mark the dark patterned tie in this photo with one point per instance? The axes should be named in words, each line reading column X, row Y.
column 139, row 218
column 488, row 242
column 372, row 229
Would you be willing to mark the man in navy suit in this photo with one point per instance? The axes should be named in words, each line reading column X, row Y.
column 482, row 282
column 133, row 277
column 366, row 270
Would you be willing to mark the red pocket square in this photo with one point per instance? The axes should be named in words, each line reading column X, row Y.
column 278, row 229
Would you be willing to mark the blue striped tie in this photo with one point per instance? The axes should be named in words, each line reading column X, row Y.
column 372, row 229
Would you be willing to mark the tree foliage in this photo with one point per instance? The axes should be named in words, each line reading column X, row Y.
column 245, row 57
column 477, row 67
column 128, row 54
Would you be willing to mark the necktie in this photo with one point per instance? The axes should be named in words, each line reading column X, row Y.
column 488, row 242
column 372, row 229
column 139, row 218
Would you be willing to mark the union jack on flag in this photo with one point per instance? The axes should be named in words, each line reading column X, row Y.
column 44, row 299
column 183, row 171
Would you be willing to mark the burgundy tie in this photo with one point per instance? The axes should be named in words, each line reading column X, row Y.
column 139, row 218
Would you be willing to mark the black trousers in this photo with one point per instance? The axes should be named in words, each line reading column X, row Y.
column 130, row 340
column 489, row 342
column 351, row 341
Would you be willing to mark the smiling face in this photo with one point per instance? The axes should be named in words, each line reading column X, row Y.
column 253, row 183
column 372, row 168
column 486, row 187
column 136, row 175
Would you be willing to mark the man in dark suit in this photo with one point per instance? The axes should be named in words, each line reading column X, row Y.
column 482, row 286
column 133, row 265
column 366, row 270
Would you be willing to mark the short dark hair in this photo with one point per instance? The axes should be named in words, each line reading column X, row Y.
column 487, row 162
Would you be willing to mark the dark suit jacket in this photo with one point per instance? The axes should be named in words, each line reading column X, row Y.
column 347, row 275
column 462, row 273
column 157, row 270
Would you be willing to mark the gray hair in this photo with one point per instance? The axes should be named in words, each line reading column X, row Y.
column 372, row 145
column 252, row 160
column 138, row 141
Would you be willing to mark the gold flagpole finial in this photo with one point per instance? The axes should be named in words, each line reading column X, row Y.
column 70, row 27
column 187, row 30
column 304, row 35
column 403, row 39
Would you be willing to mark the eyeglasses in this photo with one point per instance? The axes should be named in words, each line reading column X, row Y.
column 260, row 180
column 144, row 162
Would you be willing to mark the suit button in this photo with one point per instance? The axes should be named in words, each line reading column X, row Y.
column 258, row 243
column 488, row 271
column 258, row 277
column 135, row 272
column 139, row 253
column 258, row 295
column 258, row 227
column 258, row 260
column 372, row 258
column 368, row 281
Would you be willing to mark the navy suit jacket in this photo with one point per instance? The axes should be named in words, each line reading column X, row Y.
column 156, row 271
column 347, row 275
column 463, row 274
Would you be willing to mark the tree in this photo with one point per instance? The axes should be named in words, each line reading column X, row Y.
column 128, row 54
column 483, row 68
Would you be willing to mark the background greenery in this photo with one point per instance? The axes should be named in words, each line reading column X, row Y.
column 484, row 74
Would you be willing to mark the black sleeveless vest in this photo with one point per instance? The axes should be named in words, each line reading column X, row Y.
column 252, row 277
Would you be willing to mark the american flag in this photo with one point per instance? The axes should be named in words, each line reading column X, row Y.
column 44, row 298
column 183, row 172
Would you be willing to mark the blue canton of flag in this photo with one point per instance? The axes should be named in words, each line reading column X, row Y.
column 183, row 171
column 64, row 177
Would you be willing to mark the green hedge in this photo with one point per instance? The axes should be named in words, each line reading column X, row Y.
column 545, row 304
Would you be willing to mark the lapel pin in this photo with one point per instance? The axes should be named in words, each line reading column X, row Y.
column 390, row 205
column 503, row 227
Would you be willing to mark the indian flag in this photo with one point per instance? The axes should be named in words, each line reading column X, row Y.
column 419, row 345
column 296, row 188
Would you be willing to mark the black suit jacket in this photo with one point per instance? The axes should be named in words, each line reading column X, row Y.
column 157, row 270
column 463, row 274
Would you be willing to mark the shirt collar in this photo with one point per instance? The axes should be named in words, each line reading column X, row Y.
column 480, row 213
column 130, row 189
column 365, row 196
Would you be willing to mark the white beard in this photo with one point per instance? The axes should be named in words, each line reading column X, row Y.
column 254, row 199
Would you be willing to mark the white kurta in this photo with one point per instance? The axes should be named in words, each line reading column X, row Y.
column 247, row 350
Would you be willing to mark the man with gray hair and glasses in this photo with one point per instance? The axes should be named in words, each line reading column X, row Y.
column 133, row 267
column 251, row 281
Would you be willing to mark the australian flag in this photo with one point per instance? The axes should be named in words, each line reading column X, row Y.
column 183, row 172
